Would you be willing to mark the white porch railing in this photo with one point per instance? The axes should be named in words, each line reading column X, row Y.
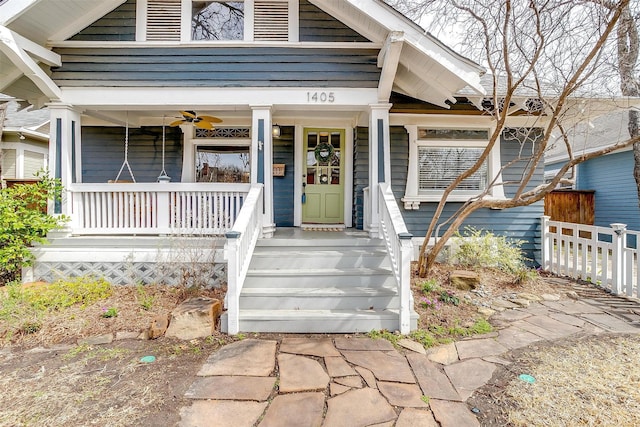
column 155, row 208
column 602, row 255
column 241, row 241
column 398, row 242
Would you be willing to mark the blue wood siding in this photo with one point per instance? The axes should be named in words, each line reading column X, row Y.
column 318, row 26
column 283, row 152
column 616, row 197
column 118, row 25
column 217, row 67
column 103, row 153
column 521, row 223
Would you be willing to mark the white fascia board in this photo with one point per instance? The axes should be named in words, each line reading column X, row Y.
column 9, row 46
column 563, row 157
column 13, row 9
column 40, row 53
column 100, row 9
column 466, row 70
column 44, row 137
column 126, row 98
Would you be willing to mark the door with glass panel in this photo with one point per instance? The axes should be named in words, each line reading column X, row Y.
column 323, row 176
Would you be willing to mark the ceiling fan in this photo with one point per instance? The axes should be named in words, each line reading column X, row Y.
column 202, row 122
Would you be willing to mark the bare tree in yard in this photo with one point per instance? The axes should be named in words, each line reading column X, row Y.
column 543, row 57
column 628, row 45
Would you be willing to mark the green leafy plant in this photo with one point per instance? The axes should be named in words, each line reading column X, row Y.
column 24, row 221
column 82, row 290
column 384, row 334
column 448, row 297
column 144, row 299
column 429, row 286
column 109, row 312
column 481, row 248
column 429, row 303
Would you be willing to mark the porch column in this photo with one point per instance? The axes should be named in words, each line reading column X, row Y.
column 262, row 163
column 379, row 159
column 65, row 162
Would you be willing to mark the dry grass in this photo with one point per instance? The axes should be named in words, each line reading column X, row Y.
column 590, row 382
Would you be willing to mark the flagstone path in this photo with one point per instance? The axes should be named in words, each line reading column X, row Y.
column 356, row 381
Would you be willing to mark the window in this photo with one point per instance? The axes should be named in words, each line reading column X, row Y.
column 223, row 163
column 217, row 20
column 437, row 156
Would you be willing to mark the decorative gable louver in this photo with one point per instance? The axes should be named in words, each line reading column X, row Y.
column 163, row 20
column 271, row 20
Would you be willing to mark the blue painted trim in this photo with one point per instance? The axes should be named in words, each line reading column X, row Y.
column 381, row 177
column 260, row 177
column 57, row 207
column 73, row 151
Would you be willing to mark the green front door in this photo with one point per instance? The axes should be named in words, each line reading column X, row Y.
column 323, row 200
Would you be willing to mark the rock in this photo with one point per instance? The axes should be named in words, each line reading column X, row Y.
column 464, row 280
column 444, row 354
column 550, row 297
column 96, row 340
column 194, row 318
column 573, row 295
column 521, row 302
column 158, row 327
column 126, row 335
column 530, row 297
column 412, row 345
column 486, row 312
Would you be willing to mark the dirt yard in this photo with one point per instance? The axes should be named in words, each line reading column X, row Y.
column 49, row 377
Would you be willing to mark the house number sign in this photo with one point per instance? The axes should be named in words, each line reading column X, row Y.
column 321, row 97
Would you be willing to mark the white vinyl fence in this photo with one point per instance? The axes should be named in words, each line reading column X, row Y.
column 607, row 256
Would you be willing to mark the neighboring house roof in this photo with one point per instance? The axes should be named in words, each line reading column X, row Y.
column 585, row 138
column 31, row 122
column 413, row 62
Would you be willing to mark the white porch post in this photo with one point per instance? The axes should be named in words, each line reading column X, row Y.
column 618, row 261
column 262, row 161
column 65, row 162
column 379, row 159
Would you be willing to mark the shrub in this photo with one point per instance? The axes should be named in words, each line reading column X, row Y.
column 82, row 290
column 478, row 248
column 429, row 286
column 23, row 222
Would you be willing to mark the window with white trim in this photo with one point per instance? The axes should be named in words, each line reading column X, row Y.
column 218, row 20
column 437, row 156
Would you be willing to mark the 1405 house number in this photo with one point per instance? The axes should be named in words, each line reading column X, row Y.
column 321, row 97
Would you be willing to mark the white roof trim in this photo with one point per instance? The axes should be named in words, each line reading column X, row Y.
column 13, row 9
column 10, row 47
column 388, row 60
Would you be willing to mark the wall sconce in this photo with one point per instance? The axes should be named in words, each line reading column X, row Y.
column 21, row 136
column 275, row 131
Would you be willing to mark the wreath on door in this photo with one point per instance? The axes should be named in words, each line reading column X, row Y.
column 323, row 152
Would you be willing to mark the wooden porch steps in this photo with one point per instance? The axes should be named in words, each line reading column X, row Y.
column 319, row 285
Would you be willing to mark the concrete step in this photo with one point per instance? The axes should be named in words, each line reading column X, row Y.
column 309, row 258
column 318, row 321
column 325, row 298
column 318, row 278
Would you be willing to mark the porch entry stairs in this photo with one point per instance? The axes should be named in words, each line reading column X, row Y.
column 309, row 282
column 319, row 282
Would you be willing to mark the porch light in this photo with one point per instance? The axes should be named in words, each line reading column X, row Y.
column 276, row 131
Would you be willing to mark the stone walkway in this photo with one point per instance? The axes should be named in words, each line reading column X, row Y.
column 356, row 381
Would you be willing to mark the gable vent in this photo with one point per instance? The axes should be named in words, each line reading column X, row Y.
column 271, row 20
column 163, row 20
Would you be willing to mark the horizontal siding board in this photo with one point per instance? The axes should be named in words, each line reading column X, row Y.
column 217, row 67
column 616, row 197
column 318, row 26
column 118, row 25
column 103, row 153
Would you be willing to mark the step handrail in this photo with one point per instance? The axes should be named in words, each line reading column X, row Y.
column 399, row 247
column 241, row 242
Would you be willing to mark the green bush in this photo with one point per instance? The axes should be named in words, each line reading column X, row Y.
column 83, row 290
column 23, row 222
column 478, row 248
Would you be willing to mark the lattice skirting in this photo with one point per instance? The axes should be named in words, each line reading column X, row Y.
column 132, row 273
